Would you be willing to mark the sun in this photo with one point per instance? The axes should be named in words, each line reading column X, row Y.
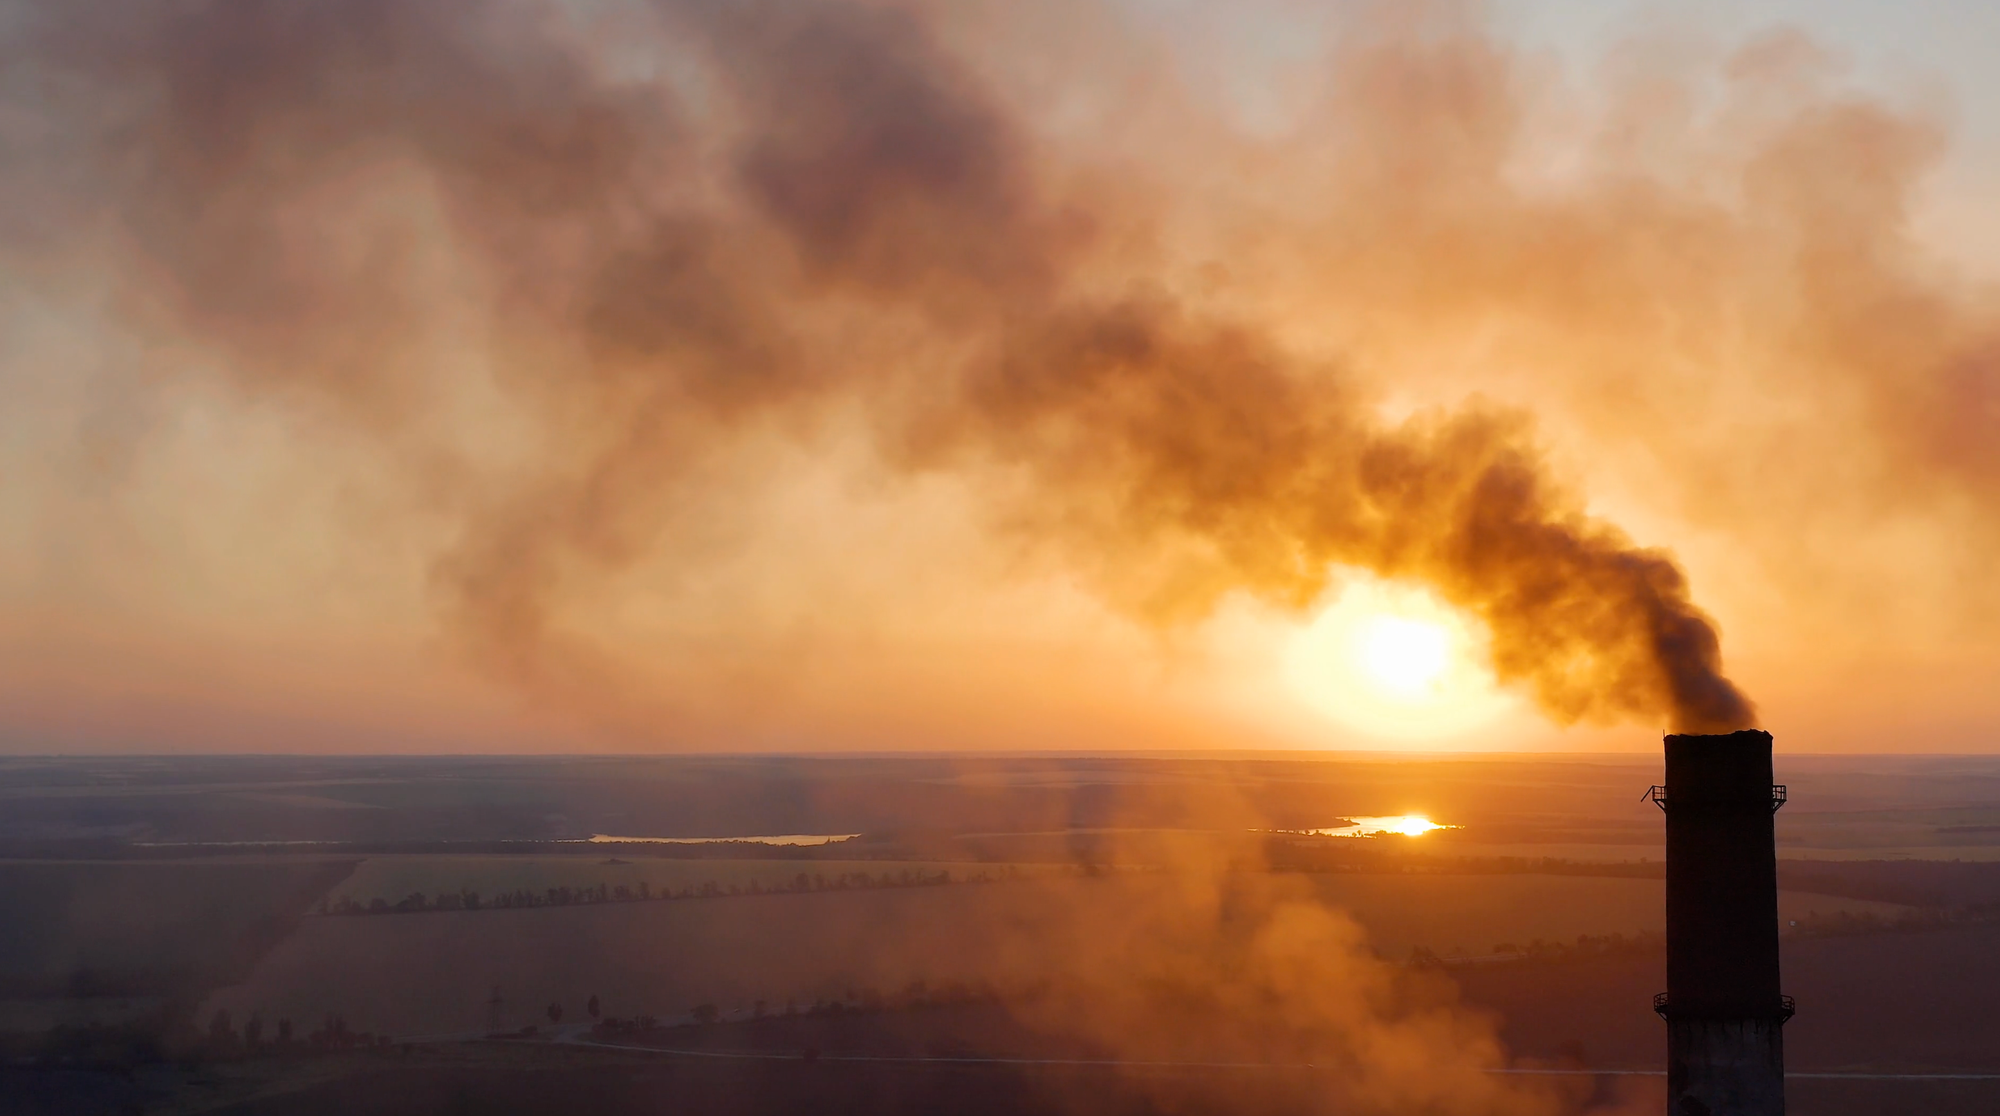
column 1365, row 825
column 1403, row 655
column 1392, row 661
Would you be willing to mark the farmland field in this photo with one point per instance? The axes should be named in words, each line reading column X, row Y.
column 134, row 902
column 84, row 928
column 435, row 973
column 1470, row 915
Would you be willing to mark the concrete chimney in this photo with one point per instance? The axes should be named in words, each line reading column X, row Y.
column 1725, row 1015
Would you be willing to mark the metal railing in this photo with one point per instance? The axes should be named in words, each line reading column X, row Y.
column 1658, row 796
column 1787, row 1007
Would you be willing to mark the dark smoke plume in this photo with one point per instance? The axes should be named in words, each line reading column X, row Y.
column 674, row 224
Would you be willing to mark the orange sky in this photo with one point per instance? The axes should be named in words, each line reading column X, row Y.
column 930, row 377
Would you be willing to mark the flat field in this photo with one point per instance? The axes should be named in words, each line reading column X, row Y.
column 1892, row 1002
column 435, row 973
column 126, row 890
column 82, row 928
column 1474, row 915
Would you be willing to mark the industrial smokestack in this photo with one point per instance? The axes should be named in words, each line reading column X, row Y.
column 1725, row 1015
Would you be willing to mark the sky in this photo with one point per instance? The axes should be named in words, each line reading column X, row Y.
column 664, row 375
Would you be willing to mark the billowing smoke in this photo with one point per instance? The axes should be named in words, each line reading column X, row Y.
column 665, row 228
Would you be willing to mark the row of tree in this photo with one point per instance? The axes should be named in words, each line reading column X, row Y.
column 1398, row 855
column 1538, row 949
column 1837, row 924
column 469, row 900
column 916, row 994
column 225, row 1040
column 1813, row 925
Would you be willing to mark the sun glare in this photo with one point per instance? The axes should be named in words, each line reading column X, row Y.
column 1406, row 825
column 1392, row 661
column 1404, row 655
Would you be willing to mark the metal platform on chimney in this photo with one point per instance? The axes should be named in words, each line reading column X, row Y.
column 1658, row 795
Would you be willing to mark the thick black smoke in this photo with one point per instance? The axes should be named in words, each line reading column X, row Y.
column 681, row 221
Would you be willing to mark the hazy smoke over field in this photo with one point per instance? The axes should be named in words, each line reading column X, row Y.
column 674, row 227
column 1177, row 962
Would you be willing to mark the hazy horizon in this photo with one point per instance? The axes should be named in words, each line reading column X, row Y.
column 999, row 556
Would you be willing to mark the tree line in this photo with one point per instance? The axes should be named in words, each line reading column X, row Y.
column 467, row 899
